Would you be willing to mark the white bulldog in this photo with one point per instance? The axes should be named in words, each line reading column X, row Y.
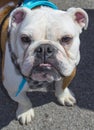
column 46, row 45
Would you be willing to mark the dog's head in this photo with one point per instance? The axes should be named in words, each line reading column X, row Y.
column 46, row 41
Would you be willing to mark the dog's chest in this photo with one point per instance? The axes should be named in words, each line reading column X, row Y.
column 39, row 84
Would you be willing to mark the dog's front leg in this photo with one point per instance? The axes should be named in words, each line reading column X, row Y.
column 63, row 94
column 25, row 112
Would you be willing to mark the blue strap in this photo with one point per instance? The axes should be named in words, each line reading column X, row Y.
column 20, row 86
column 34, row 3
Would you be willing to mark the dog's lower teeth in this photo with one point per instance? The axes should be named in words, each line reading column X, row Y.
column 49, row 68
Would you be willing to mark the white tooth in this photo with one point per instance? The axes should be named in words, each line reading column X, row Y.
column 48, row 67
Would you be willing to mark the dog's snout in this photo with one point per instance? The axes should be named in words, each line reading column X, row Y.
column 44, row 51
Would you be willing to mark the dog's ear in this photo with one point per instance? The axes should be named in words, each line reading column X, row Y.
column 79, row 16
column 18, row 15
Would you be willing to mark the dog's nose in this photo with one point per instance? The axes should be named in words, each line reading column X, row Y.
column 45, row 50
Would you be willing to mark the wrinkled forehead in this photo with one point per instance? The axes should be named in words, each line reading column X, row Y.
column 49, row 21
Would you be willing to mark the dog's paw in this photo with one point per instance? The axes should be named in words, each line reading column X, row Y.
column 66, row 98
column 26, row 117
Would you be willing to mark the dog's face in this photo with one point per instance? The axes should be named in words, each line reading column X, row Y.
column 46, row 41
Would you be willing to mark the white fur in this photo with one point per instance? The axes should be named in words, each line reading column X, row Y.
column 42, row 19
column 25, row 117
column 38, row 23
column 65, row 97
column 11, row 82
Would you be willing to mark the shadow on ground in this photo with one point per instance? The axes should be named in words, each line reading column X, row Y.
column 82, row 85
column 7, row 110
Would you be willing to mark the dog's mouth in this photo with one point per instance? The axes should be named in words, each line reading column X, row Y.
column 45, row 72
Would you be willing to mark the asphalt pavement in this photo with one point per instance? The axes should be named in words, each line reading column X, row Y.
column 49, row 115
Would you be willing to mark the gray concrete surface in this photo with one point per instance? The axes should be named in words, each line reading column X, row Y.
column 49, row 115
column 65, row 4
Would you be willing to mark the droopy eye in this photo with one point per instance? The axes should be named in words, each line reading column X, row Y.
column 66, row 39
column 25, row 39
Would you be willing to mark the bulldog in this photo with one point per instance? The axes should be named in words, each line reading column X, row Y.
column 42, row 46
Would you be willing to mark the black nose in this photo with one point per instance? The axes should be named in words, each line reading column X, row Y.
column 45, row 50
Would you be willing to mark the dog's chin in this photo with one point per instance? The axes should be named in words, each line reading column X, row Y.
column 45, row 72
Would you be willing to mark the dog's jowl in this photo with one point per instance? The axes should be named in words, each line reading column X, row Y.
column 42, row 47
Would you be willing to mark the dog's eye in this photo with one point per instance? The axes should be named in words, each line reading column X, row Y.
column 66, row 39
column 26, row 39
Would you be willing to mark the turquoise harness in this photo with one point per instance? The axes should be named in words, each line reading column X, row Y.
column 32, row 4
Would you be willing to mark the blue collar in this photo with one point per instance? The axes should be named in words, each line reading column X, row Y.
column 32, row 4
column 35, row 3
